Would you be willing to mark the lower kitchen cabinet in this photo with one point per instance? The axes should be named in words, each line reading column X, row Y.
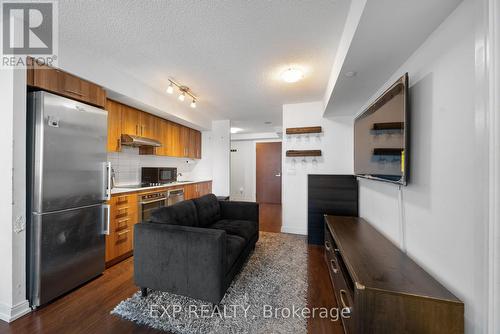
column 124, row 214
column 123, row 217
column 197, row 189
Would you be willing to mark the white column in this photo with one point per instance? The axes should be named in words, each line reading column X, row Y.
column 13, row 303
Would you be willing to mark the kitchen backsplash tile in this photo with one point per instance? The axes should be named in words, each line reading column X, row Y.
column 127, row 165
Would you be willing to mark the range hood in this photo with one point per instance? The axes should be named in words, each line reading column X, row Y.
column 137, row 141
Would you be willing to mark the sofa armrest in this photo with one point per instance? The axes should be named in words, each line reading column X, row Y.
column 239, row 210
column 181, row 259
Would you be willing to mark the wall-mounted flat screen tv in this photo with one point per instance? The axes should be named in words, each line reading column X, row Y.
column 381, row 136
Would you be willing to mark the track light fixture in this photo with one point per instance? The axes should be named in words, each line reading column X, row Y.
column 184, row 90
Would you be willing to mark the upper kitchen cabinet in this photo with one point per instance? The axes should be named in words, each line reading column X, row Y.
column 147, row 126
column 174, row 148
column 185, row 136
column 197, row 148
column 164, row 136
column 62, row 83
column 114, row 125
column 192, row 143
column 130, row 123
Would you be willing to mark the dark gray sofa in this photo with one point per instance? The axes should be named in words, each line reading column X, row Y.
column 196, row 247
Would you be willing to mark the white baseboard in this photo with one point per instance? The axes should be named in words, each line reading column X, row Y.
column 10, row 314
column 293, row 230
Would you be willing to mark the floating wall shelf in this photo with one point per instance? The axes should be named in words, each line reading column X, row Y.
column 387, row 151
column 304, row 130
column 303, row 153
column 389, row 126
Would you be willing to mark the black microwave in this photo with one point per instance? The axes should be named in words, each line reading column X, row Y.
column 158, row 175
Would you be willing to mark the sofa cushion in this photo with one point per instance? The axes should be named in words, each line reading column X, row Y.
column 243, row 228
column 208, row 209
column 182, row 213
column 234, row 247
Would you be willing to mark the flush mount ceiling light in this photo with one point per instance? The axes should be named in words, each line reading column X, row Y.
column 184, row 90
column 236, row 130
column 292, row 75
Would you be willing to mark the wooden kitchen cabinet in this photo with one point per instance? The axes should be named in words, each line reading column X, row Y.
column 114, row 125
column 147, row 126
column 123, row 217
column 163, row 136
column 130, row 120
column 192, row 144
column 62, row 83
column 196, row 190
column 177, row 140
column 184, row 141
column 174, row 149
column 197, row 146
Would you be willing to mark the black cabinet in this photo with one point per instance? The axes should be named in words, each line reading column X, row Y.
column 332, row 195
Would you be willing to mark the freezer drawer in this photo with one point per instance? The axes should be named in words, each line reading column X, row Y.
column 67, row 249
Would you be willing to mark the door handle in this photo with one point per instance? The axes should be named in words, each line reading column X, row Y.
column 107, row 187
column 279, row 174
column 107, row 218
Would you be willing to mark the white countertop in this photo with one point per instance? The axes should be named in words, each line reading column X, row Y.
column 124, row 189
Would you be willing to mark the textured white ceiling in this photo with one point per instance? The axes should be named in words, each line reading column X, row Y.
column 229, row 52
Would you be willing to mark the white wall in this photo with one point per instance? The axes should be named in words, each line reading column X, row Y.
column 243, row 168
column 13, row 303
column 221, row 158
column 336, row 143
column 441, row 216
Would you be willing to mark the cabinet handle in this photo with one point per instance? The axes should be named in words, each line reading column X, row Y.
column 334, row 266
column 123, row 232
column 73, row 92
column 342, row 301
column 121, row 221
column 122, row 199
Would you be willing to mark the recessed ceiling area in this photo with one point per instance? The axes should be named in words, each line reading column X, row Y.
column 389, row 31
column 230, row 53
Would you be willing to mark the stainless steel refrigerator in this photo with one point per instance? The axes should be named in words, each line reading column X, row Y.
column 68, row 184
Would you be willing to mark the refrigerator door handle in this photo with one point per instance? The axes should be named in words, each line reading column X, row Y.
column 107, row 217
column 107, row 191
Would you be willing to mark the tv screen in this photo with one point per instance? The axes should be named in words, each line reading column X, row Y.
column 381, row 133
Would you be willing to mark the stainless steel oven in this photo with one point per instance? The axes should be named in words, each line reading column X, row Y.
column 158, row 175
column 150, row 202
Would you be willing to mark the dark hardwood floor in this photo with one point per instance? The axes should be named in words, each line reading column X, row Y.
column 86, row 309
column 270, row 217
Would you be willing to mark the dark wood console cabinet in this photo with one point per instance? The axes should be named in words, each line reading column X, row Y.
column 385, row 290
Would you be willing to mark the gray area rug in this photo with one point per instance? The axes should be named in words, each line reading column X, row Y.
column 260, row 299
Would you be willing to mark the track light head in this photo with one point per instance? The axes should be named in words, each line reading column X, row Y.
column 170, row 88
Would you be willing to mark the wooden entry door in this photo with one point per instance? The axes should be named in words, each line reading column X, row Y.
column 268, row 165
